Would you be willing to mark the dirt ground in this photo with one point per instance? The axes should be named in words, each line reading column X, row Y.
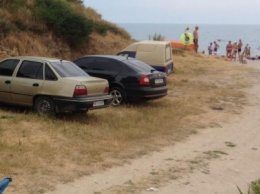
column 214, row 161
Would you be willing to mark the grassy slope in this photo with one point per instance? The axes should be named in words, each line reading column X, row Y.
column 40, row 152
column 27, row 42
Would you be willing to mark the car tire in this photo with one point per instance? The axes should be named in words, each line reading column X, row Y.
column 118, row 96
column 44, row 106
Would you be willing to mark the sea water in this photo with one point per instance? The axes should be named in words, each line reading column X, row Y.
column 249, row 34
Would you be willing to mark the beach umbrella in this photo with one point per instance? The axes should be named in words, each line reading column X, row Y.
column 4, row 183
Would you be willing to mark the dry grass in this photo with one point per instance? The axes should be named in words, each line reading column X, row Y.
column 30, row 44
column 40, row 152
column 28, row 35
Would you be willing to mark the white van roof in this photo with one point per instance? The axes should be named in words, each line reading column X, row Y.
column 147, row 45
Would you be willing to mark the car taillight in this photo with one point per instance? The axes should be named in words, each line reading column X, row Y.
column 80, row 90
column 106, row 90
column 144, row 81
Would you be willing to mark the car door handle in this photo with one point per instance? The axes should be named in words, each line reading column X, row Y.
column 7, row 82
column 35, row 84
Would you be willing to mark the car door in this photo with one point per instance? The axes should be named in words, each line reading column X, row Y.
column 7, row 68
column 105, row 68
column 27, row 82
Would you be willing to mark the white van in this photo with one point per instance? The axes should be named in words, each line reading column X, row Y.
column 158, row 54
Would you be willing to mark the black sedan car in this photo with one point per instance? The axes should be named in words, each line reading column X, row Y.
column 129, row 79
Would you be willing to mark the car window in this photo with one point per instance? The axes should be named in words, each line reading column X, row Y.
column 68, row 69
column 7, row 67
column 103, row 64
column 128, row 54
column 49, row 75
column 138, row 65
column 31, row 69
column 168, row 53
column 84, row 63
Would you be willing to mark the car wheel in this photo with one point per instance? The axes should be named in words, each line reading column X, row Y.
column 44, row 106
column 118, row 96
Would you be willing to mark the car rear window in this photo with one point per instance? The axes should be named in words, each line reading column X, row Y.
column 68, row 69
column 106, row 64
column 139, row 65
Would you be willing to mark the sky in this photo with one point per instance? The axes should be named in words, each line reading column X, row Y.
column 178, row 11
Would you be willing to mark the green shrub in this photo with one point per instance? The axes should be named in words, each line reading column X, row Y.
column 52, row 11
column 76, row 1
column 254, row 188
column 255, row 185
column 20, row 24
column 6, row 26
column 101, row 28
column 119, row 31
column 156, row 36
column 76, row 29
column 60, row 18
column 12, row 5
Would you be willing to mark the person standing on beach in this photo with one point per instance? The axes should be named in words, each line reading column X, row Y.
column 229, row 49
column 234, row 51
column 211, row 48
column 246, row 51
column 239, row 47
column 216, row 46
column 186, row 31
column 196, row 39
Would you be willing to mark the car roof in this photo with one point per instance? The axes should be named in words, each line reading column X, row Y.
column 126, row 60
column 152, row 42
column 49, row 59
column 116, row 57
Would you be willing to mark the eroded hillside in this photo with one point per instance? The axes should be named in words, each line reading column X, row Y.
column 24, row 30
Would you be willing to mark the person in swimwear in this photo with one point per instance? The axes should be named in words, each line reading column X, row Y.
column 234, row 51
column 196, row 39
column 229, row 48
column 239, row 47
column 246, row 51
column 216, row 46
column 211, row 48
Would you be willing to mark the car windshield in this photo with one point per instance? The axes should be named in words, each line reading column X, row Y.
column 139, row 65
column 68, row 69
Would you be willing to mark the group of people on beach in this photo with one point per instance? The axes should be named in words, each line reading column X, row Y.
column 213, row 48
column 233, row 50
column 236, row 50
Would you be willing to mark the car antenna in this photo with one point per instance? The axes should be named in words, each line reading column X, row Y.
column 61, row 61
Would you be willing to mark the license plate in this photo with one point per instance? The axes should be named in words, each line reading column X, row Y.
column 99, row 103
column 158, row 81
